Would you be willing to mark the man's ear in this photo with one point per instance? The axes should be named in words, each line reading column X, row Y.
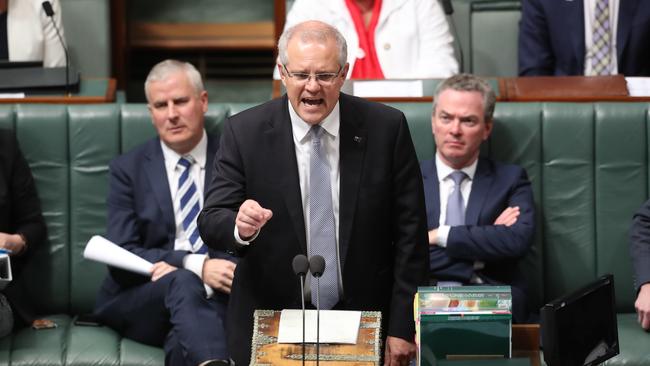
column 489, row 124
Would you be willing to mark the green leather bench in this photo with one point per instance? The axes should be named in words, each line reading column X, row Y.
column 588, row 164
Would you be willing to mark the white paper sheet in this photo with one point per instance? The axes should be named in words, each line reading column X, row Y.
column 638, row 86
column 12, row 95
column 102, row 250
column 336, row 326
column 387, row 88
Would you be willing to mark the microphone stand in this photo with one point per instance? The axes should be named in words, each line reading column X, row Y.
column 302, row 286
column 317, row 320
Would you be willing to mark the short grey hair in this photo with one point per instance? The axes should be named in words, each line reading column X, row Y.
column 469, row 83
column 164, row 69
column 319, row 34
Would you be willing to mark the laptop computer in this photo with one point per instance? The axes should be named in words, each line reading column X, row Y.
column 580, row 328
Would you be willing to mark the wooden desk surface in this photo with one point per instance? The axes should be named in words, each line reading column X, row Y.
column 91, row 91
column 526, row 89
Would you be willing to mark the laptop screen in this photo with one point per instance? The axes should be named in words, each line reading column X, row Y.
column 580, row 328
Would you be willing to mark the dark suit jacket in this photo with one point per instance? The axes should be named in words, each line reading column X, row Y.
column 640, row 245
column 494, row 188
column 552, row 38
column 141, row 212
column 382, row 233
column 20, row 212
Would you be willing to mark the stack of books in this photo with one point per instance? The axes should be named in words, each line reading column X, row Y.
column 465, row 322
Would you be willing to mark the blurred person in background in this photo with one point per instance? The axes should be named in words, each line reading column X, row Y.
column 28, row 34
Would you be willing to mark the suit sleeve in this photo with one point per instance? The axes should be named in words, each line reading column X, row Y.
column 226, row 193
column 409, row 235
column 125, row 227
column 497, row 242
column 640, row 245
column 536, row 55
column 26, row 214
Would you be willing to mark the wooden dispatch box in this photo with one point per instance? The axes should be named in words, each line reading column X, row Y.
column 267, row 351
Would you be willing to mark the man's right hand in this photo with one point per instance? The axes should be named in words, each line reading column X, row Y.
column 160, row 269
column 508, row 217
column 218, row 274
column 642, row 306
column 250, row 218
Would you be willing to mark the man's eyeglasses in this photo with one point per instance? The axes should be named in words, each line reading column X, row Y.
column 322, row 78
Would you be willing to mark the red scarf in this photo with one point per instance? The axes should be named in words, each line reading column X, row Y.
column 367, row 67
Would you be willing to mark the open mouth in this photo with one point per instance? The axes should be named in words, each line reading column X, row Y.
column 312, row 101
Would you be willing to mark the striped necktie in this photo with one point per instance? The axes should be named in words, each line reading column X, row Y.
column 190, row 204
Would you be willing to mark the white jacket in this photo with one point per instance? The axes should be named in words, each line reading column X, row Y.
column 31, row 35
column 412, row 37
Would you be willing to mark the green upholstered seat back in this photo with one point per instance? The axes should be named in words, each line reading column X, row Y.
column 588, row 163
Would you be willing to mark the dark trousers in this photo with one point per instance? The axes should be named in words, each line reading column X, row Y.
column 172, row 311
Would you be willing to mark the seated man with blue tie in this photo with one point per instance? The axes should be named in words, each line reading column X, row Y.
column 155, row 195
column 480, row 213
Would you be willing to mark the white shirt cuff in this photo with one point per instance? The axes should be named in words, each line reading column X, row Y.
column 443, row 235
column 194, row 263
column 244, row 242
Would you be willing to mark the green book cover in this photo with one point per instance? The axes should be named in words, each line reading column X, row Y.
column 433, row 300
column 463, row 321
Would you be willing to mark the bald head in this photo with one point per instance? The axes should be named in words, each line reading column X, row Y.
column 313, row 31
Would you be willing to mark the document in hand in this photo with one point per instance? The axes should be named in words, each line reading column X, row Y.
column 102, row 250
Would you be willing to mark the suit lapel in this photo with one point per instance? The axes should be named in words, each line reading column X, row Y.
column 213, row 145
column 353, row 141
column 154, row 166
column 575, row 23
column 626, row 11
column 480, row 190
column 280, row 137
column 432, row 193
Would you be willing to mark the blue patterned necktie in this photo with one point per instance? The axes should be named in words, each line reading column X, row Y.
column 601, row 43
column 322, row 236
column 456, row 204
column 190, row 205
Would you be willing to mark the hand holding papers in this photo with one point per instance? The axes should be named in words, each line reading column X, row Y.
column 104, row 251
column 337, row 326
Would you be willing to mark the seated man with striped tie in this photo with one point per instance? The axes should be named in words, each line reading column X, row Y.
column 155, row 195
column 480, row 213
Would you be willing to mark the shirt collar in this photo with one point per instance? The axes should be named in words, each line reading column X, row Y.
column 198, row 153
column 300, row 128
column 444, row 170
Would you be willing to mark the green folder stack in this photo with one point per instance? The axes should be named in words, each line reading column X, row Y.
column 466, row 322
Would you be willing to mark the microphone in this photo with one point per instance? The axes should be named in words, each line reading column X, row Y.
column 47, row 8
column 300, row 268
column 317, row 267
column 449, row 10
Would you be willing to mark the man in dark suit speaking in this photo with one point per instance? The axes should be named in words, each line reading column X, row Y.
column 480, row 212
column 319, row 172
